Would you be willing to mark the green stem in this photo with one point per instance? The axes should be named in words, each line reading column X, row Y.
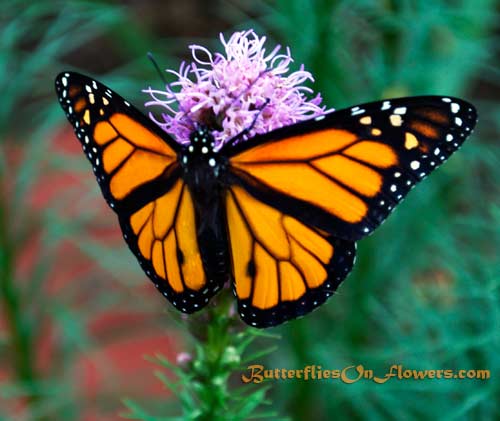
column 214, row 370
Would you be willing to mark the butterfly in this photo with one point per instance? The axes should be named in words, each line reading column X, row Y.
column 277, row 215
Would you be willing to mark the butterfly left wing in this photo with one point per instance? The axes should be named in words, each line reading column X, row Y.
column 346, row 171
column 136, row 166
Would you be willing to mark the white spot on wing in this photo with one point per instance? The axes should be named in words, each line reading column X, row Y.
column 360, row 111
column 386, row 105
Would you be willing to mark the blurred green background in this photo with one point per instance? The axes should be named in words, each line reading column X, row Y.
column 76, row 312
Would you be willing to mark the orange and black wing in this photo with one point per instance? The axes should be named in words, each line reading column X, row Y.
column 136, row 166
column 164, row 236
column 300, row 196
column 282, row 267
column 345, row 172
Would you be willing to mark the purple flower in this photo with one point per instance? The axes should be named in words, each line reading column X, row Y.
column 227, row 92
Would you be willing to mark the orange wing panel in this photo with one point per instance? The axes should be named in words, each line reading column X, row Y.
column 166, row 236
column 298, row 148
column 287, row 257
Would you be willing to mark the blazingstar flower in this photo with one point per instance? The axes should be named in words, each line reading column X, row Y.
column 228, row 92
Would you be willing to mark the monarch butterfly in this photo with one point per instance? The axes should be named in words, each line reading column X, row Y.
column 277, row 215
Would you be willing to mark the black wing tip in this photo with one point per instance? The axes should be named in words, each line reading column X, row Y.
column 467, row 109
column 68, row 77
column 58, row 80
column 64, row 74
column 430, row 99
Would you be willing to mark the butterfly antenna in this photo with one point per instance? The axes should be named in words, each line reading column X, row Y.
column 155, row 64
column 162, row 77
column 247, row 130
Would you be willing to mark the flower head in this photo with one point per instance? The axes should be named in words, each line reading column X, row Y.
column 240, row 89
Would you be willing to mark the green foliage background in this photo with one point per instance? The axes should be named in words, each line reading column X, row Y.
column 425, row 291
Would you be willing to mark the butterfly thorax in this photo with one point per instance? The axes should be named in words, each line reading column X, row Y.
column 201, row 165
column 200, row 152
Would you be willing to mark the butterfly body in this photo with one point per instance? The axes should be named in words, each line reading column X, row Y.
column 203, row 171
column 277, row 215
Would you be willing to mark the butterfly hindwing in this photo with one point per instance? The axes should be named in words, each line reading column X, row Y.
column 163, row 235
column 346, row 171
column 282, row 268
column 137, row 169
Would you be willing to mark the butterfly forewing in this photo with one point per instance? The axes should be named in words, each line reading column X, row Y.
column 346, row 171
column 131, row 158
